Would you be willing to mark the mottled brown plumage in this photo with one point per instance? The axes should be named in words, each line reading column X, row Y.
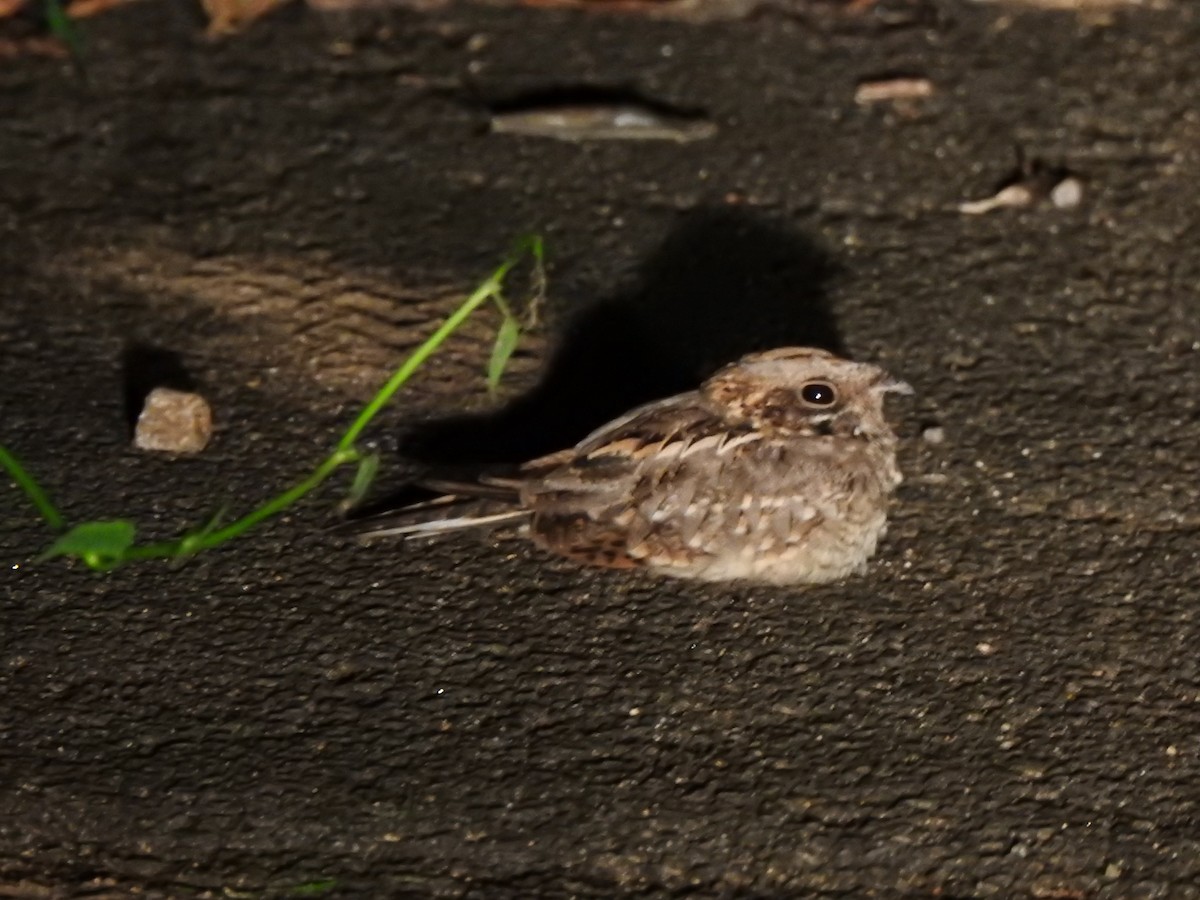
column 777, row 470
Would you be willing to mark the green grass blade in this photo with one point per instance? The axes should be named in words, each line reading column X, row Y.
column 313, row 888
column 502, row 350
column 540, row 284
column 364, row 476
column 32, row 490
column 62, row 26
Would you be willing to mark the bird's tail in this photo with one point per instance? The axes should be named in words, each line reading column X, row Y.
column 448, row 505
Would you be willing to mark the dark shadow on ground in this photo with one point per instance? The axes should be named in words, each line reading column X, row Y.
column 144, row 368
column 724, row 284
column 586, row 96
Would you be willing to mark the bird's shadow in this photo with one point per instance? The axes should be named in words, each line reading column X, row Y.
column 723, row 284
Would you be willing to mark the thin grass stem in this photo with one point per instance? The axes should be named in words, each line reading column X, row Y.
column 486, row 291
column 33, row 490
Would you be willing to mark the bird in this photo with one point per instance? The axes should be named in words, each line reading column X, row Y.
column 777, row 470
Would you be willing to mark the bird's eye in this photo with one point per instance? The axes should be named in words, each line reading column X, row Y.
column 818, row 393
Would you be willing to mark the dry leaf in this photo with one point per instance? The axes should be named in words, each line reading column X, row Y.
column 1013, row 195
column 82, row 9
column 48, row 47
column 76, row 9
column 1078, row 5
column 229, row 16
column 885, row 90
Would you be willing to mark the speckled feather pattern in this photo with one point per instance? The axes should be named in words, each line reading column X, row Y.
column 777, row 470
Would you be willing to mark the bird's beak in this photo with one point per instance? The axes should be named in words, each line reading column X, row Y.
column 894, row 386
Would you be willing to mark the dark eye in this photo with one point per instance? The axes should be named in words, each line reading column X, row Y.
column 818, row 393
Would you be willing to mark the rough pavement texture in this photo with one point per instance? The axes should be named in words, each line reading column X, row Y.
column 1008, row 705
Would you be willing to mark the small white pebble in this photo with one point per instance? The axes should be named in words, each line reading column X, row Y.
column 1068, row 193
column 173, row 422
column 985, row 649
column 934, row 434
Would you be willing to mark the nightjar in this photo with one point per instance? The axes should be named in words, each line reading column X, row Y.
column 778, row 470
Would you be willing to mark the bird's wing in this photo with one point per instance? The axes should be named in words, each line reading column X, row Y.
column 633, row 436
column 623, row 491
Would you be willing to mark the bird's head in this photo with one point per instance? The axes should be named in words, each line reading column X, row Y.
column 803, row 391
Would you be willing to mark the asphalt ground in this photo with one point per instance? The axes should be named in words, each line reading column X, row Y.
column 1006, row 705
